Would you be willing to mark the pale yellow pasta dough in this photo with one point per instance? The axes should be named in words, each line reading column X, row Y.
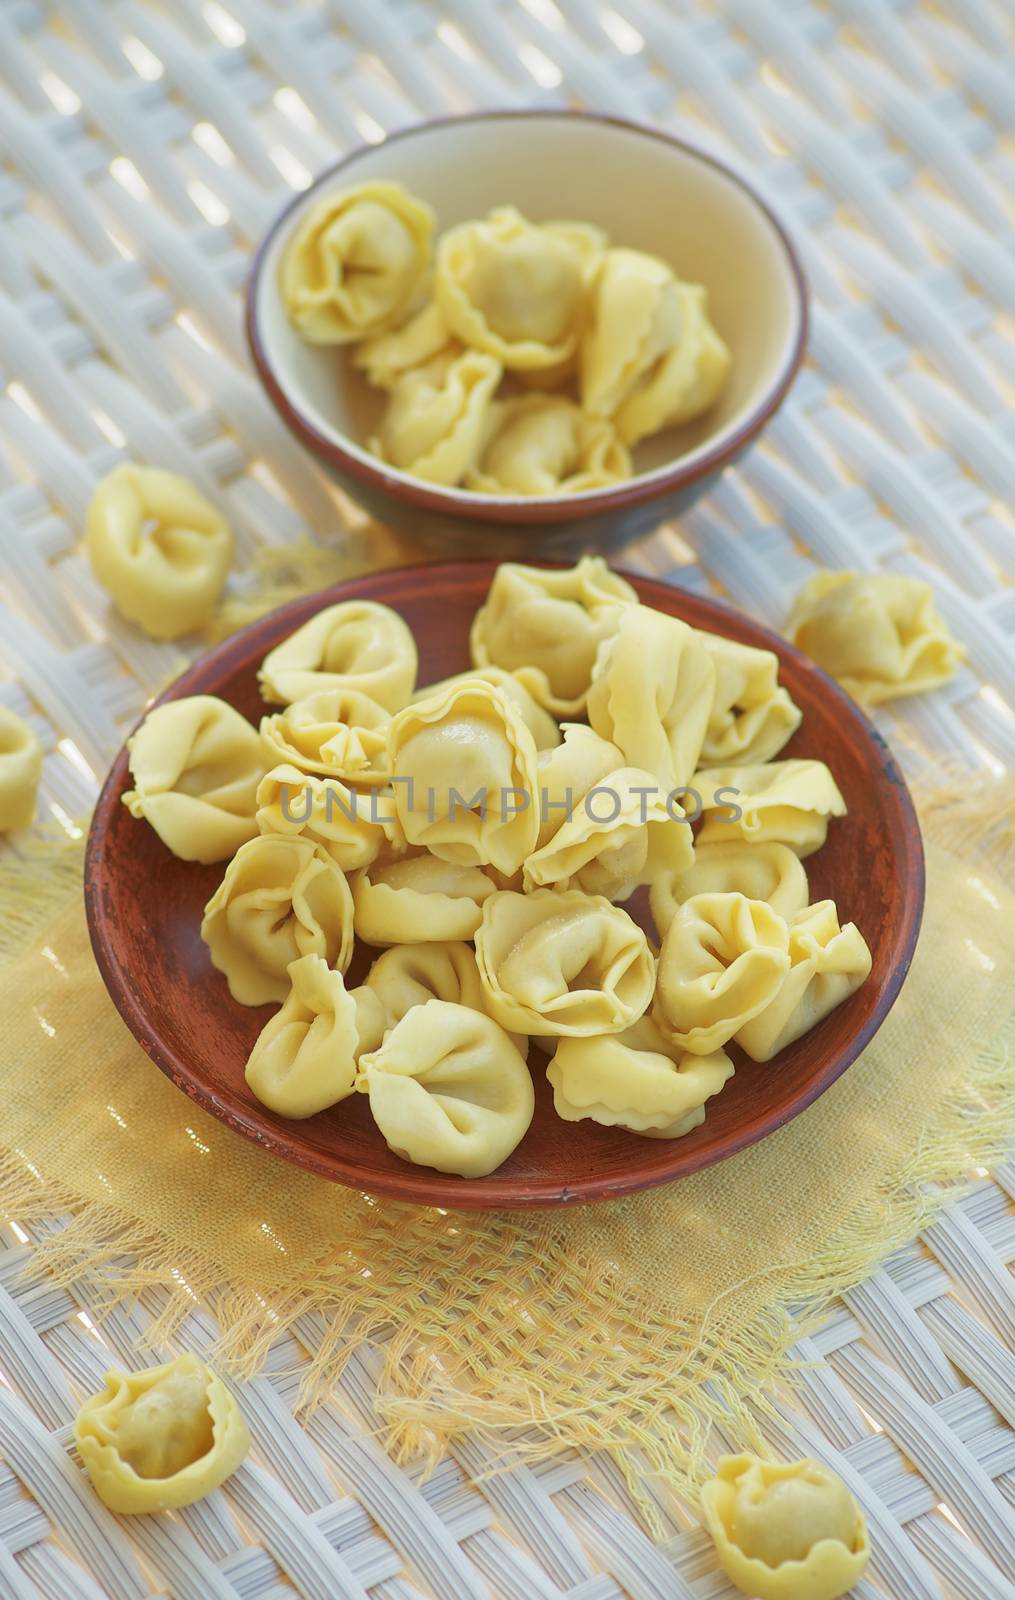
column 540, row 723
column 723, row 960
column 391, row 355
column 517, row 289
column 304, row 1059
column 160, row 1439
column 789, row 802
column 827, row 965
column 562, row 962
column 785, row 1532
column 567, row 773
column 651, row 695
column 547, row 626
column 538, row 444
column 635, row 320
column 280, row 899
column 349, row 825
column 409, row 975
column 685, row 380
column 635, row 1080
column 448, row 1089
column 878, row 634
column 356, row 262
column 436, row 418
column 463, row 765
column 196, row 764
column 357, row 644
column 771, row 872
column 419, row 898
column 20, row 771
column 159, row 547
column 752, row 717
column 620, row 835
column 337, row 733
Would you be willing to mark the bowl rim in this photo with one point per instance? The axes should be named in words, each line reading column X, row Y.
column 420, row 1185
column 533, row 509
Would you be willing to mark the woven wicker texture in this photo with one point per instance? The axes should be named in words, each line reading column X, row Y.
column 145, row 147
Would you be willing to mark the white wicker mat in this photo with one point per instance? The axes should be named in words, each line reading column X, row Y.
column 143, row 149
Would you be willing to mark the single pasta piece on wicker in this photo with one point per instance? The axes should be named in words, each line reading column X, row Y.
column 722, row 961
column 827, row 964
column 771, row 872
column 162, row 1438
column 20, row 771
column 788, row 802
column 544, row 444
column 357, row 645
column 356, row 262
column 304, row 1059
column 159, row 548
column 785, row 1532
column 635, row 1080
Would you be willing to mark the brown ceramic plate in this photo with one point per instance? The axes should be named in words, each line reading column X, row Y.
column 144, row 913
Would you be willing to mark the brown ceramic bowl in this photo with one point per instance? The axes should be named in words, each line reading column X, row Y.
column 649, row 191
column 144, row 913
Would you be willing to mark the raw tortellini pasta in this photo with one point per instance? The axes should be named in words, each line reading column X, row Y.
column 436, row 419
column 785, row 1532
column 619, row 836
column 651, row 694
column 449, row 1089
column 545, row 444
column 196, row 764
column 635, row 1080
column 305, row 1057
column 337, row 733
column 827, row 965
column 562, row 962
column 722, row 961
column 540, row 723
column 355, row 645
column 350, row 827
column 280, row 899
column 752, row 717
column 464, row 766
column 391, row 355
column 569, row 772
column 547, row 626
column 409, row 975
column 159, row 547
column 879, row 635
column 162, row 1438
column 419, row 898
column 771, row 872
column 356, row 262
column 789, row 802
column 20, row 771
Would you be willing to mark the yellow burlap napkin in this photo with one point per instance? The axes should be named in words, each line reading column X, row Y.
column 629, row 1326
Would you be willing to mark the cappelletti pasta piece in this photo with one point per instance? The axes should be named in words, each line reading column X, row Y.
column 159, row 547
column 417, row 899
column 196, row 764
column 621, row 835
column 786, row 802
column 356, row 645
column 540, row 723
column 20, row 771
column 651, row 695
column 635, row 1080
column 448, row 1089
column 785, row 1532
column 562, row 962
column 722, row 961
column 752, row 716
column 436, row 419
column 566, row 774
column 770, row 872
column 877, row 634
column 547, row 627
column 517, row 289
column 409, row 975
column 827, row 965
column 279, row 899
column 162, row 1438
column 350, row 826
column 391, row 355
column 305, row 1056
column 540, row 444
column 635, row 320
column 685, row 380
column 338, row 733
column 463, row 764
column 356, row 262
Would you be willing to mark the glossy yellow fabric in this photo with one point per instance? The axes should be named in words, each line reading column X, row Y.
column 635, row 1080
column 785, row 1532
column 539, row 444
column 722, row 961
column 159, row 547
column 357, row 645
column 770, row 872
column 879, row 634
column 161, row 1438
column 789, row 802
column 338, row 733
column 356, row 262
column 20, row 771
column 196, row 764
column 437, row 416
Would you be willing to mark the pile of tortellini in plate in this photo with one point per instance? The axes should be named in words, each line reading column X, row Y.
column 482, row 832
column 518, row 357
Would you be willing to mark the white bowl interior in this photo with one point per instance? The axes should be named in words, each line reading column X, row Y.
column 646, row 192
